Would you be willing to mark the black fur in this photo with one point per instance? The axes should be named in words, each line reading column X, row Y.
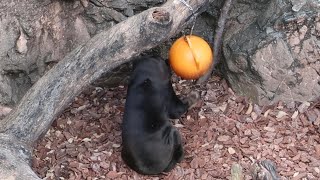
column 150, row 143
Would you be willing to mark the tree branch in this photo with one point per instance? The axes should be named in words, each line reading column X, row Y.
column 217, row 41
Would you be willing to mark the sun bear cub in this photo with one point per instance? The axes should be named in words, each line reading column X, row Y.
column 150, row 143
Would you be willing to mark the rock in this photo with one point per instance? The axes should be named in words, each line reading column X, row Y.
column 48, row 31
column 257, row 109
column 4, row 110
column 297, row 4
column 115, row 15
column 280, row 65
column 21, row 44
column 311, row 115
column 81, row 32
column 264, row 170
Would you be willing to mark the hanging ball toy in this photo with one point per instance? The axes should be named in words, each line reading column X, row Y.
column 190, row 57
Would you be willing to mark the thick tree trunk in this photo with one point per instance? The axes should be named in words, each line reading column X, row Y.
column 56, row 89
column 15, row 158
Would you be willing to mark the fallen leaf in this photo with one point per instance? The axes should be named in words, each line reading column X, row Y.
column 70, row 140
column 303, row 107
column 231, row 150
column 300, row 176
column 223, row 138
column 179, row 125
column 223, row 107
column 113, row 174
column 116, row 145
column 249, row 110
column 194, row 163
column 243, row 140
column 254, row 116
column 266, row 113
column 240, row 108
column 204, row 145
column 317, row 148
column 247, row 132
column 86, row 139
column 270, row 129
column 281, row 114
column 296, row 157
column 218, row 146
column 295, row 114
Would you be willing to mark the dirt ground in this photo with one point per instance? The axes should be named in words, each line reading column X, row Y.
column 222, row 129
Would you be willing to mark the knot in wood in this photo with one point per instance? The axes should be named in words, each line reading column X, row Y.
column 162, row 16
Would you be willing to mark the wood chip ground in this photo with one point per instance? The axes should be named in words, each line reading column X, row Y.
column 222, row 129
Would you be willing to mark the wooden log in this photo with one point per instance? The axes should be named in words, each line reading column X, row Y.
column 59, row 86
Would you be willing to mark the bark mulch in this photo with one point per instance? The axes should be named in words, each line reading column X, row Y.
column 221, row 130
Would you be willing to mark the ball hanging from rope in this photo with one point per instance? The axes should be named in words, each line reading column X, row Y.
column 190, row 57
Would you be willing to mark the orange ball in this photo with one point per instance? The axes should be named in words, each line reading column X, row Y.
column 190, row 57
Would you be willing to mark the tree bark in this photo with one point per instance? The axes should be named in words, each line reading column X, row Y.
column 58, row 87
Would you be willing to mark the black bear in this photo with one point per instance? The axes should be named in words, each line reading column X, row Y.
column 150, row 143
